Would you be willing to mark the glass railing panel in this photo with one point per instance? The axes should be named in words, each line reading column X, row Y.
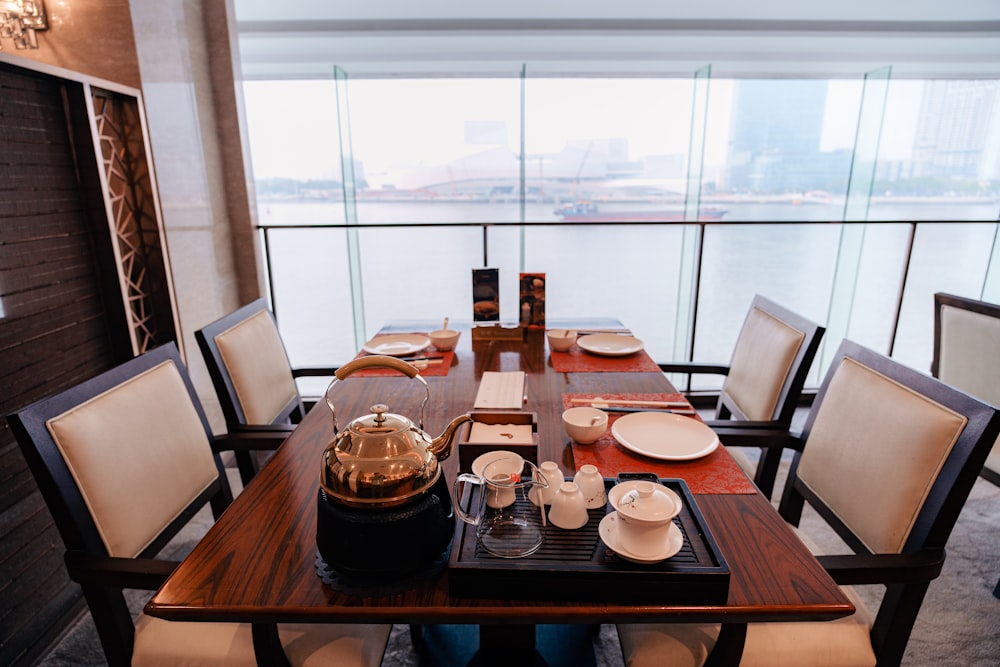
column 504, row 253
column 418, row 273
column 878, row 283
column 621, row 270
column 311, row 294
column 788, row 263
column 947, row 257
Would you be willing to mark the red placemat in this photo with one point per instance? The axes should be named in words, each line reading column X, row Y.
column 439, row 369
column 716, row 473
column 578, row 361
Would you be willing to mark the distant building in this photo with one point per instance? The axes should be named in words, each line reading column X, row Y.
column 958, row 120
column 775, row 137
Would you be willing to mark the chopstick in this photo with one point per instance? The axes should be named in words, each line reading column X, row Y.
column 625, row 401
column 673, row 411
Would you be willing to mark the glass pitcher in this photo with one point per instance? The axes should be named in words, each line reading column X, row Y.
column 507, row 523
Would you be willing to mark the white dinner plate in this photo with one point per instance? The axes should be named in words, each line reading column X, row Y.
column 661, row 435
column 608, row 530
column 397, row 345
column 609, row 345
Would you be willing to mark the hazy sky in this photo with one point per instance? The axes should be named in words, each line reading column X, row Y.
column 411, row 123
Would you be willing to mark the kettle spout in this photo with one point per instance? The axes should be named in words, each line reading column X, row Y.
column 441, row 446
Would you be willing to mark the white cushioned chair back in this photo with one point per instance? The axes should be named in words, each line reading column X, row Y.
column 874, row 451
column 139, row 454
column 761, row 362
column 969, row 359
column 258, row 367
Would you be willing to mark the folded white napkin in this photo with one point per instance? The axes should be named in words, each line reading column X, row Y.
column 483, row 434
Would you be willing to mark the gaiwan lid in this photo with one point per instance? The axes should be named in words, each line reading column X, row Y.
column 645, row 501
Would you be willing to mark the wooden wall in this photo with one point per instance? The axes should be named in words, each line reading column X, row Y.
column 59, row 324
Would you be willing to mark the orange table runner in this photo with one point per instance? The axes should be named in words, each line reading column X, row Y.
column 578, row 361
column 716, row 473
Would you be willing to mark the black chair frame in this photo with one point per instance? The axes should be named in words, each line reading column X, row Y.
column 906, row 575
column 772, row 436
column 102, row 577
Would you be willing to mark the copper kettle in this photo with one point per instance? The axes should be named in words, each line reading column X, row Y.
column 382, row 459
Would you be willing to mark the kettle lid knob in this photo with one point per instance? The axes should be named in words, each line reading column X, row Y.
column 379, row 409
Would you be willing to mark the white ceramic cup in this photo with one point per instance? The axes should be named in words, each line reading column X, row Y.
column 553, row 477
column 569, row 507
column 591, row 484
column 585, row 424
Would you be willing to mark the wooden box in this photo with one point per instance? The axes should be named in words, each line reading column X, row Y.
column 468, row 451
column 497, row 332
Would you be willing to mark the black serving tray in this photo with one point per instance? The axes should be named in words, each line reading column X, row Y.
column 576, row 564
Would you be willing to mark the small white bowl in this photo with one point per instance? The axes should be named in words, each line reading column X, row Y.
column 561, row 340
column 516, row 462
column 585, row 424
column 444, row 339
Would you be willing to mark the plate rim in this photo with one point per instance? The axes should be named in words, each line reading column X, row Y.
column 608, row 519
column 414, row 347
column 708, row 449
column 637, row 347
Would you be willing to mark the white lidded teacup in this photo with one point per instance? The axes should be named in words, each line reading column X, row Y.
column 645, row 511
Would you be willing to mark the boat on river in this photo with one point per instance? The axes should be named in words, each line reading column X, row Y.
column 585, row 211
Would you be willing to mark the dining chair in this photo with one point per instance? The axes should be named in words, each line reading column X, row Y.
column 124, row 461
column 967, row 356
column 763, row 383
column 252, row 375
column 887, row 459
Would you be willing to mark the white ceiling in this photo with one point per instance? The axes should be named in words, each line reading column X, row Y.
column 785, row 38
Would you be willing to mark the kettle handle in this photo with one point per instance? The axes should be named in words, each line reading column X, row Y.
column 376, row 361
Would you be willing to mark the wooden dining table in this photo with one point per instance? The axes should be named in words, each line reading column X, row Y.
column 258, row 563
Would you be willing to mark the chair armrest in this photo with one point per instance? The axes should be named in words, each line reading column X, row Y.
column 113, row 572
column 749, row 425
column 693, row 367
column 314, row 371
column 771, row 438
column 884, row 568
column 252, row 438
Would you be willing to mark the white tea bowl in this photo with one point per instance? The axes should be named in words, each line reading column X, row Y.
column 585, row 424
column 444, row 339
column 645, row 511
column 561, row 340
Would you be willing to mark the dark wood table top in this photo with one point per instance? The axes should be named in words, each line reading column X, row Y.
column 257, row 563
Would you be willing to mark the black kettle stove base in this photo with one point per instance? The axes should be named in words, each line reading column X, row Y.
column 383, row 544
column 370, row 585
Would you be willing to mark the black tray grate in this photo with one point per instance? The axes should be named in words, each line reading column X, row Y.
column 573, row 560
